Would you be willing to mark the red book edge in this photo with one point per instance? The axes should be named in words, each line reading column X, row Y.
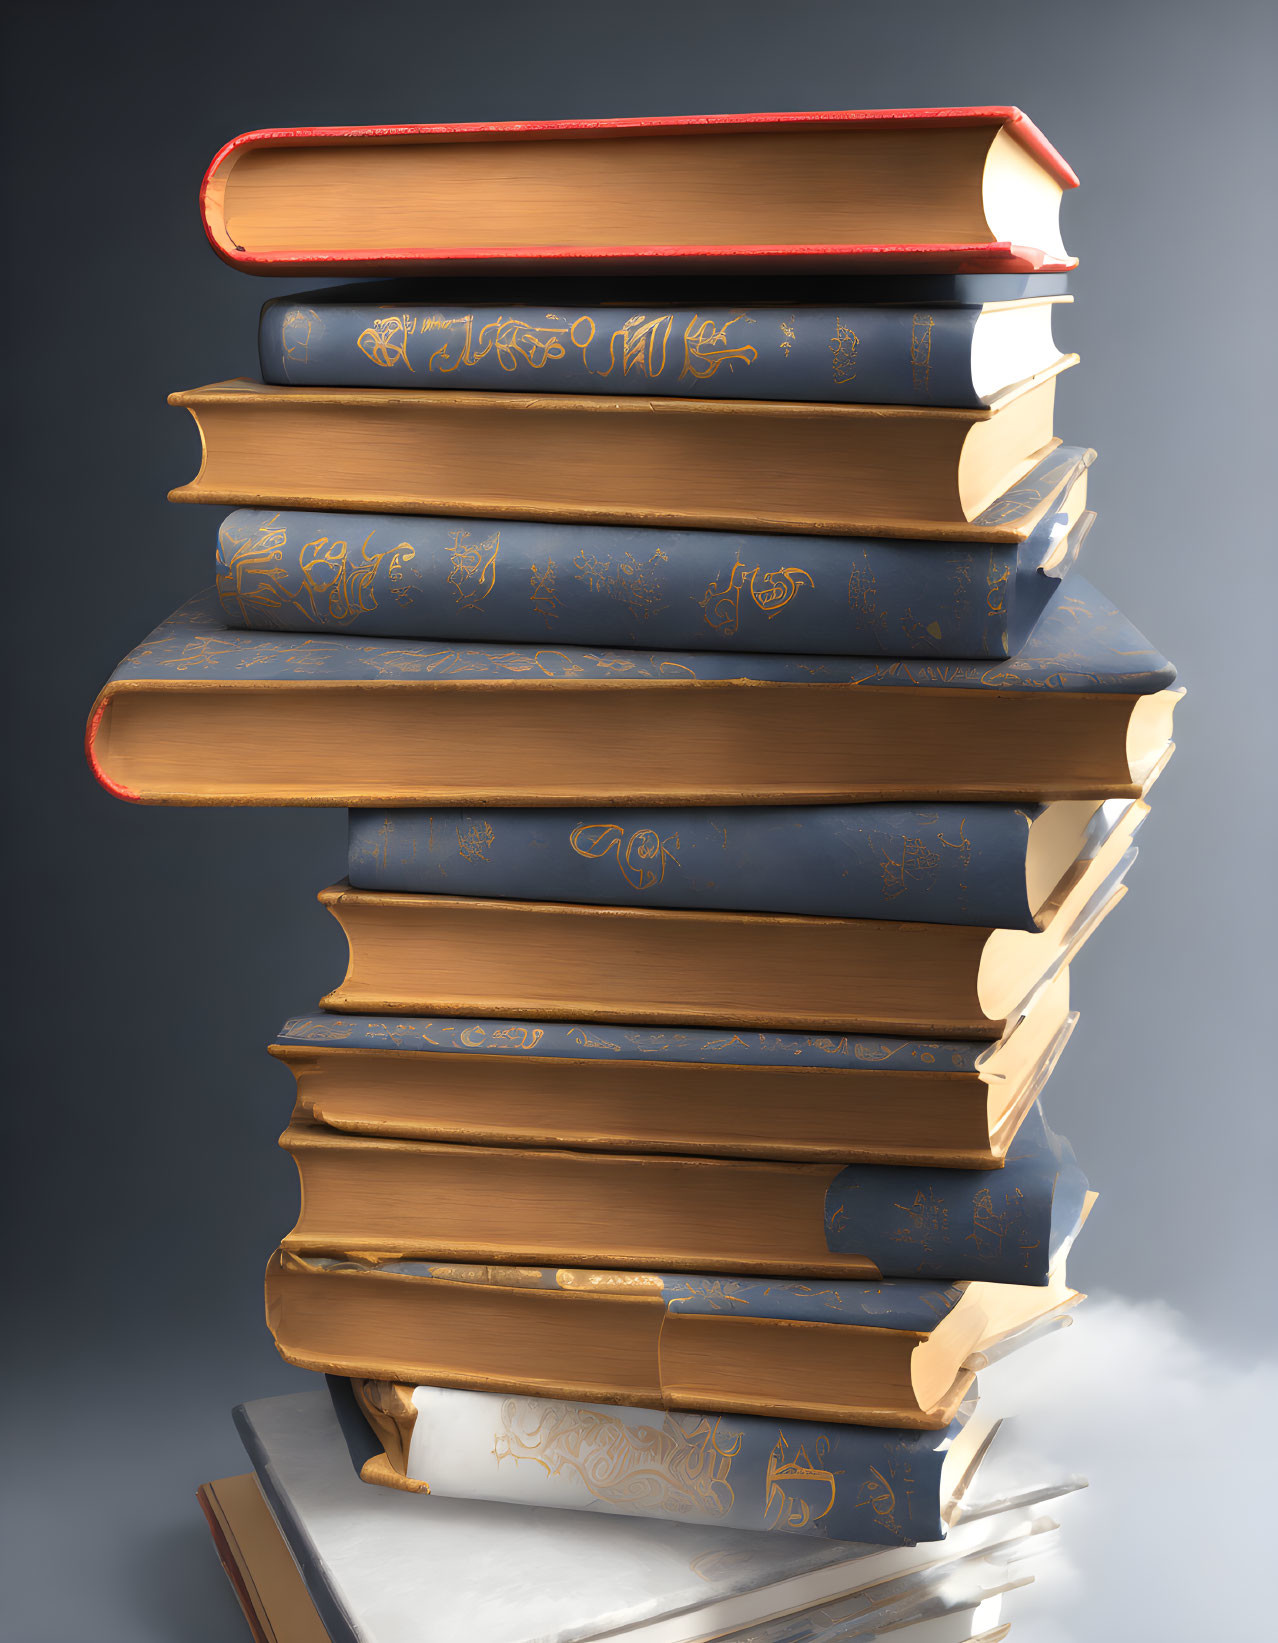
column 229, row 1566
column 1012, row 258
column 116, row 789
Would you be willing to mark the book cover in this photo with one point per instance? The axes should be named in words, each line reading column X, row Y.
column 555, row 289
column 947, row 1602
column 422, row 1200
column 941, row 864
column 869, row 228
column 202, row 713
column 579, row 1041
column 432, row 955
column 384, row 1566
column 874, row 1486
column 889, row 1354
column 854, row 355
column 412, row 576
column 1084, row 645
column 838, row 1098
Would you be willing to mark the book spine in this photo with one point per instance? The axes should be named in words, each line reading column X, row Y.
column 310, row 1565
column 940, row 864
column 854, row 355
column 876, row 1486
column 1007, row 1225
column 542, row 584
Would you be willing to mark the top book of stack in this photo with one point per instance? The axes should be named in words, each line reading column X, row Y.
column 957, row 189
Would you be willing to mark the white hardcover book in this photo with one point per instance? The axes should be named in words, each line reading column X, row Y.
column 386, row 1566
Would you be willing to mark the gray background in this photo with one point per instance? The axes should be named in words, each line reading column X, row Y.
column 155, row 951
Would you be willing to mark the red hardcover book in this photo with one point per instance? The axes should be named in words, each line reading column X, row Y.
column 947, row 189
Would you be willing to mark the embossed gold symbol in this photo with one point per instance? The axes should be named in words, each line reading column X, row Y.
column 474, row 573
column 473, row 838
column 299, row 323
column 795, row 1487
column 706, row 347
column 843, row 346
column 642, row 859
column 629, row 581
column 335, row 581
column 385, row 341
column 643, row 345
column 543, row 598
column 878, row 1494
column 770, row 590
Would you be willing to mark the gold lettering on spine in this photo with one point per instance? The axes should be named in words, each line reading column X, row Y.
column 921, row 351
column 843, row 346
column 643, row 345
column 334, row 582
column 385, row 341
column 473, row 838
column 543, row 598
column 795, row 1486
column 642, row 857
column 474, row 572
column 296, row 330
column 770, row 590
column 706, row 348
column 629, row 581
column 397, row 572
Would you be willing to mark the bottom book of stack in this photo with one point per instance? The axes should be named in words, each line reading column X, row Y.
column 314, row 1553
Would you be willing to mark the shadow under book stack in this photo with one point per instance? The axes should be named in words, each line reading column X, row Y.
column 673, row 572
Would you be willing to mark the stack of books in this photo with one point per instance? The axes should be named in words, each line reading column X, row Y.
column 672, row 568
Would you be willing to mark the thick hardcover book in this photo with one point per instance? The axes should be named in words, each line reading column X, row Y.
column 953, row 189
column 850, row 355
column 900, row 1354
column 200, row 713
column 383, row 1566
column 422, row 1200
column 843, row 1483
column 718, row 464
column 448, row 955
column 842, row 1098
column 990, row 864
column 407, row 576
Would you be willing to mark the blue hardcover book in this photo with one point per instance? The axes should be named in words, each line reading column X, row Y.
column 385, row 1566
column 876, row 1486
column 849, row 354
column 364, row 1195
column 1082, row 711
column 410, row 576
column 984, row 864
column 836, row 1097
